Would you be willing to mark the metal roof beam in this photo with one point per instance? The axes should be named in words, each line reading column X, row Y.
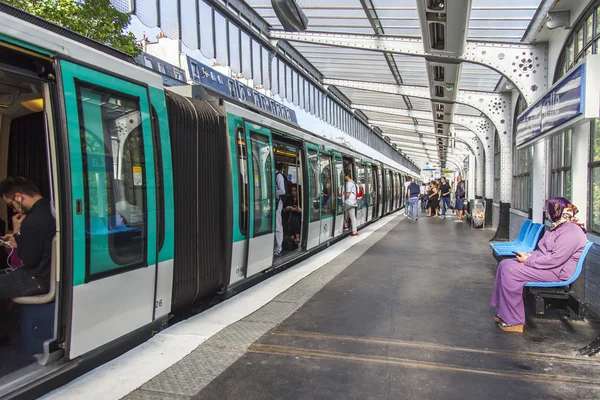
column 525, row 65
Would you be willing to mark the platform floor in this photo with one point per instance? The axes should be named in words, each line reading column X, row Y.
column 404, row 314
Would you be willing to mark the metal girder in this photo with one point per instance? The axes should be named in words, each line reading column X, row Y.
column 524, row 65
column 495, row 106
column 479, row 154
column 480, row 142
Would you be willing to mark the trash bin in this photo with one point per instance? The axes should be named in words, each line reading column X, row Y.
column 478, row 214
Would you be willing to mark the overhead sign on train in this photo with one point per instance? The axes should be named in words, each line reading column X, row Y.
column 572, row 99
column 230, row 87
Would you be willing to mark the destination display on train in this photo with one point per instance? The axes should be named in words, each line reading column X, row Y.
column 232, row 88
column 561, row 104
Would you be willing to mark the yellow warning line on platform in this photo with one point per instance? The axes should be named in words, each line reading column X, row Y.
column 433, row 346
column 321, row 354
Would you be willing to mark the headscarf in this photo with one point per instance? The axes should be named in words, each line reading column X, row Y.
column 560, row 211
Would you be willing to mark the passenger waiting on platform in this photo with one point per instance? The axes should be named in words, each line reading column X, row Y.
column 434, row 200
column 459, row 198
column 413, row 200
column 556, row 260
column 350, row 202
column 424, row 196
column 33, row 230
column 292, row 214
column 444, row 196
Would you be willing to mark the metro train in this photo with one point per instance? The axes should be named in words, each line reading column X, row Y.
column 164, row 198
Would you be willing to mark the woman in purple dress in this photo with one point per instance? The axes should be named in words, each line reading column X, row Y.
column 555, row 260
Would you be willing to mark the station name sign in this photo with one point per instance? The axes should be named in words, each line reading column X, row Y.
column 573, row 97
column 559, row 105
column 233, row 88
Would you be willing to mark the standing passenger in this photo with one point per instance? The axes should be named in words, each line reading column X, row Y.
column 424, row 197
column 280, row 192
column 459, row 195
column 413, row 200
column 445, row 196
column 350, row 201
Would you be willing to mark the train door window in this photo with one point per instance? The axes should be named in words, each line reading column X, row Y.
column 360, row 182
column 372, row 186
column 114, row 178
column 379, row 183
column 242, row 181
column 327, row 192
column 339, row 171
column 263, row 183
column 314, row 185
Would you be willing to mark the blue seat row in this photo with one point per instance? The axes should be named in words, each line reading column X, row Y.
column 572, row 279
column 530, row 234
column 518, row 241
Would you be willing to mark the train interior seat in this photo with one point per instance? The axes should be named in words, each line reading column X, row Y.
column 23, row 152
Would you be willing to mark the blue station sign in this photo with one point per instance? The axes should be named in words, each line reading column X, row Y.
column 574, row 97
column 229, row 87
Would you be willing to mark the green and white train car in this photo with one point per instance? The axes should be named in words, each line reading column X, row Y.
column 164, row 199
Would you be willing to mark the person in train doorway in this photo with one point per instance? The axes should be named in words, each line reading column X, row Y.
column 34, row 228
column 459, row 195
column 444, row 196
column 281, row 187
column 350, row 202
column 413, row 199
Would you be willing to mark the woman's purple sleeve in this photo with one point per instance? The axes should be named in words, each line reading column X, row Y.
column 559, row 252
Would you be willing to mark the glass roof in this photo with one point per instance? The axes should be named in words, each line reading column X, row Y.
column 505, row 20
column 490, row 20
column 478, row 77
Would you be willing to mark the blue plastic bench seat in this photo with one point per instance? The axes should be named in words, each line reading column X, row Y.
column 573, row 278
column 519, row 240
column 527, row 246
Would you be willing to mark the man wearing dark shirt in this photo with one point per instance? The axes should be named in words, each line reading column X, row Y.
column 460, row 196
column 34, row 227
column 445, row 196
column 413, row 199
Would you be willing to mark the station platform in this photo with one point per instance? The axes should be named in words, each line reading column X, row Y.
column 401, row 314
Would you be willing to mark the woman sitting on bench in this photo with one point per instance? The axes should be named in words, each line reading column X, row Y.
column 555, row 260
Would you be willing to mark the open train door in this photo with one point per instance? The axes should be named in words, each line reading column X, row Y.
column 114, row 207
column 313, row 197
column 263, row 207
column 340, row 184
column 380, row 196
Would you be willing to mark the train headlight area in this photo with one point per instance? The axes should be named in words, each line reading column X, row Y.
column 205, row 241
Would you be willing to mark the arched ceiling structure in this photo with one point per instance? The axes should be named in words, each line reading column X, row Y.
column 393, row 42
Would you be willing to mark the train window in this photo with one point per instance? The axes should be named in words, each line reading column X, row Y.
column 263, row 183
column 339, row 171
column 360, row 181
column 314, row 185
column 114, row 179
column 372, row 191
column 327, row 192
column 242, row 181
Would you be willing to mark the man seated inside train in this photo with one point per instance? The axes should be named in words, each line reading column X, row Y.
column 34, row 228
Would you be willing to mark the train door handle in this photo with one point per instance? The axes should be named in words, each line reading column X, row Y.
column 78, row 207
